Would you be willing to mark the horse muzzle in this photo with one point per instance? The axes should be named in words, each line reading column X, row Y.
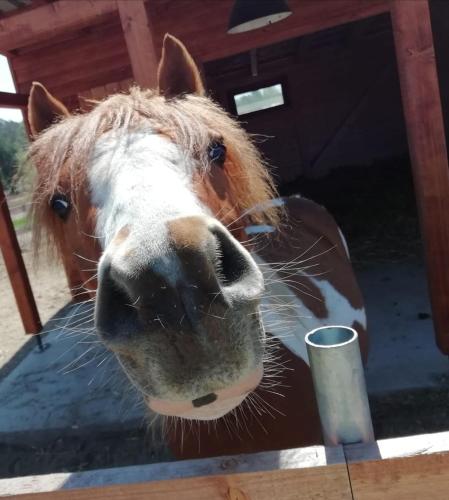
column 210, row 406
column 199, row 271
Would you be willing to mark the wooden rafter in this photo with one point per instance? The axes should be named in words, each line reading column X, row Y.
column 139, row 40
column 28, row 26
column 10, row 100
column 202, row 26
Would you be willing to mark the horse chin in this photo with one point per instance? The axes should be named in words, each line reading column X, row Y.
column 224, row 400
column 212, row 411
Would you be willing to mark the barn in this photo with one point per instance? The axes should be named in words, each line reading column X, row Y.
column 348, row 101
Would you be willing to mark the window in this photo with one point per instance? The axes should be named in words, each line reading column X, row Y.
column 259, row 99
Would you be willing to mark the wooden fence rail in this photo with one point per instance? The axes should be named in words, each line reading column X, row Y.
column 415, row 467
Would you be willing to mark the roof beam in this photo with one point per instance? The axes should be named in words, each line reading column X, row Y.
column 10, row 100
column 203, row 29
column 139, row 39
column 25, row 27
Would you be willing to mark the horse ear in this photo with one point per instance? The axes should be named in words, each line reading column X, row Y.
column 178, row 74
column 43, row 108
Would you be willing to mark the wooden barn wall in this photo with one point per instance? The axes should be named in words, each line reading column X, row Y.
column 75, row 62
column 344, row 105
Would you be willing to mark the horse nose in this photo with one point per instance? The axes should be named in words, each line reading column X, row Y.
column 202, row 271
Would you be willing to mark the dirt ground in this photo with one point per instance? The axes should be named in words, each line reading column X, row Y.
column 51, row 292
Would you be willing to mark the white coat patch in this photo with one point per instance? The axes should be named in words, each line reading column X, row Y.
column 289, row 320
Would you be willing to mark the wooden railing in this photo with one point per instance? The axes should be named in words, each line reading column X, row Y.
column 408, row 468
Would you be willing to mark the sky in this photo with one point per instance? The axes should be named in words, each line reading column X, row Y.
column 7, row 85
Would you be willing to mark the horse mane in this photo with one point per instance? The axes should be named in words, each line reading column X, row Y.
column 65, row 148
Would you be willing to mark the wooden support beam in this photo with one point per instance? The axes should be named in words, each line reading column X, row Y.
column 426, row 137
column 10, row 100
column 139, row 40
column 17, row 272
column 64, row 15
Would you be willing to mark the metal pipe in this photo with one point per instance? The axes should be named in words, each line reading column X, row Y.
column 339, row 382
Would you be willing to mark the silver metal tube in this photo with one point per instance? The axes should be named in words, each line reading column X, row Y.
column 339, row 382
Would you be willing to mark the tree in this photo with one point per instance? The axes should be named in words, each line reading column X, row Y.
column 13, row 143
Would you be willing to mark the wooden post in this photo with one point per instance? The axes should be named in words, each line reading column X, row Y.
column 425, row 130
column 139, row 40
column 15, row 266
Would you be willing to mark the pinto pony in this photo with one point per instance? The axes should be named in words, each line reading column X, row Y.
column 205, row 283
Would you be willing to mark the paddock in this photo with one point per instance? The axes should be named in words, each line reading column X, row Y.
column 375, row 51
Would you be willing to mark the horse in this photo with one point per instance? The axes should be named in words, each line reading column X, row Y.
column 204, row 281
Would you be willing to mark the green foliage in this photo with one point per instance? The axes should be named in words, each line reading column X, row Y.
column 13, row 143
column 21, row 223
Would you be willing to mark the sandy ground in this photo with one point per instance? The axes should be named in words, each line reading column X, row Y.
column 51, row 292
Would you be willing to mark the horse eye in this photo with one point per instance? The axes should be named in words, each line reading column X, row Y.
column 60, row 205
column 217, row 153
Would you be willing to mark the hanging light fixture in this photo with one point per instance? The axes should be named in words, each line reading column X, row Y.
column 249, row 15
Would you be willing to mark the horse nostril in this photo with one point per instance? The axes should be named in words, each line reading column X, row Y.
column 231, row 264
column 204, row 400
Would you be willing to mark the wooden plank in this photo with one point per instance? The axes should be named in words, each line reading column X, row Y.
column 401, row 468
column 57, row 17
column 99, row 93
column 54, row 58
column 330, row 483
column 391, row 469
column 426, row 136
column 101, row 28
column 10, row 100
column 17, row 273
column 202, row 26
column 85, row 71
column 85, row 82
column 139, row 40
column 303, row 473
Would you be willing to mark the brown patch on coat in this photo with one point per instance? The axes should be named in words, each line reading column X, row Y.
column 121, row 236
column 188, row 232
column 216, row 190
column 311, row 235
column 196, row 249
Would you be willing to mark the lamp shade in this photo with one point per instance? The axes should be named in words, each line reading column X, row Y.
column 249, row 15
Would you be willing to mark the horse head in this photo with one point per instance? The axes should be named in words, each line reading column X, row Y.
column 156, row 186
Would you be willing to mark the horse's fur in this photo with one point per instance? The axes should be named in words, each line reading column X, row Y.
column 169, row 227
column 62, row 153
